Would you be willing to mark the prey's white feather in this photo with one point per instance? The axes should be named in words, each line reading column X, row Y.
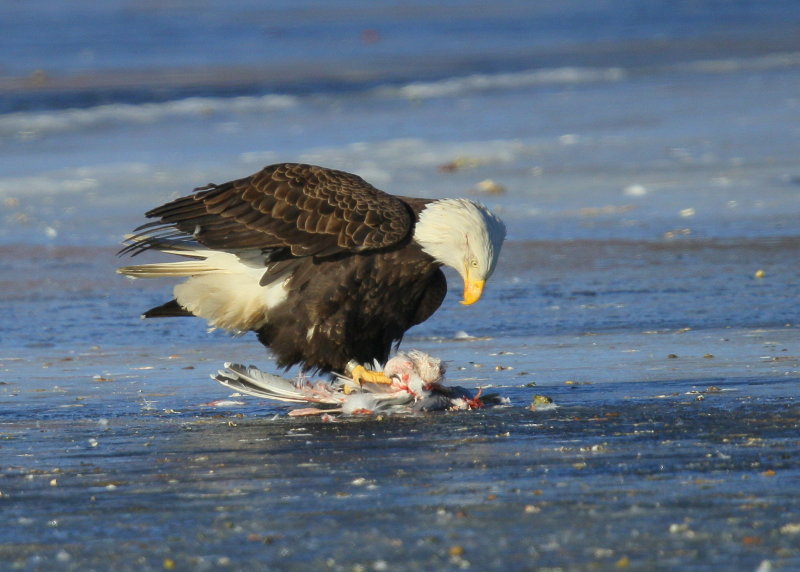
column 360, row 402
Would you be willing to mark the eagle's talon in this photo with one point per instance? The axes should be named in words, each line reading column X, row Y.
column 360, row 375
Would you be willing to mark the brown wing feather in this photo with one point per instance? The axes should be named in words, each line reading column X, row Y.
column 310, row 210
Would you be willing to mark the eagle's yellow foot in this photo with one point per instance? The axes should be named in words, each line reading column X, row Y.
column 362, row 375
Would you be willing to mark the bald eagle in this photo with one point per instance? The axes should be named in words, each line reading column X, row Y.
column 328, row 271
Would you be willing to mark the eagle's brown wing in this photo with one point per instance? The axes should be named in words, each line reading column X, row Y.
column 307, row 209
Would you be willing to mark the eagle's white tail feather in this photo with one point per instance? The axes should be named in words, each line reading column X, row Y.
column 226, row 301
column 222, row 287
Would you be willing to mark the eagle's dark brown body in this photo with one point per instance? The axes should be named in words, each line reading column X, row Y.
column 361, row 305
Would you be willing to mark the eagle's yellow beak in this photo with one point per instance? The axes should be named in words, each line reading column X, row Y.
column 472, row 291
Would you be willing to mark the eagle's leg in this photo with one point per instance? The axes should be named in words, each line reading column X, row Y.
column 360, row 375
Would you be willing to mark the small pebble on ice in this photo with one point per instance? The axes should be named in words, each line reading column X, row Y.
column 635, row 190
column 765, row 566
column 791, row 528
column 491, row 187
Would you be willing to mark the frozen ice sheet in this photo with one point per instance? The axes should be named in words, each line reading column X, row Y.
column 132, row 467
column 674, row 368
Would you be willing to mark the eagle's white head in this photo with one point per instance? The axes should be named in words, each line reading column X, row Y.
column 464, row 235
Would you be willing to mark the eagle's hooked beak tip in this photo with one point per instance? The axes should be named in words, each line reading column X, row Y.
column 472, row 291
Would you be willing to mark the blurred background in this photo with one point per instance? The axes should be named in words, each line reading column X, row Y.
column 574, row 119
